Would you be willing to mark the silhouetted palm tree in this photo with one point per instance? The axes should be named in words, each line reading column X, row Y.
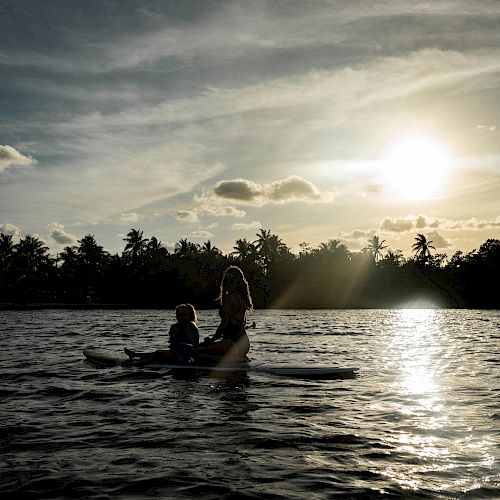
column 90, row 253
column 6, row 244
column 375, row 247
column 332, row 248
column 270, row 247
column 31, row 253
column 136, row 246
column 209, row 249
column 262, row 243
column 422, row 247
column 185, row 248
column 69, row 256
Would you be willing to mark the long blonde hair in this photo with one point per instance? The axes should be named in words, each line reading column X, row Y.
column 241, row 286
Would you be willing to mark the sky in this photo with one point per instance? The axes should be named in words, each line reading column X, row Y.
column 211, row 120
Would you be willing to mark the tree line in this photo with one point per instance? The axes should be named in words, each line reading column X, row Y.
column 146, row 274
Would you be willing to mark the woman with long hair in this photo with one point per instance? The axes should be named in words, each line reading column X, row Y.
column 230, row 342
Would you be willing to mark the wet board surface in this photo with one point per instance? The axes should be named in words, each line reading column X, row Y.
column 103, row 358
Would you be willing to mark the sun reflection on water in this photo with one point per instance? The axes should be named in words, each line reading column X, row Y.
column 414, row 352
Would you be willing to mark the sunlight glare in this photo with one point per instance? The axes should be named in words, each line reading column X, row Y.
column 415, row 167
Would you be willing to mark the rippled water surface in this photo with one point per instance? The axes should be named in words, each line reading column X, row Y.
column 422, row 419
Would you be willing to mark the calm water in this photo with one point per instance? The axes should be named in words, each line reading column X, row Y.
column 421, row 420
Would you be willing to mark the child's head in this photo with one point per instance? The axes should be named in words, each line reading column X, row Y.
column 185, row 313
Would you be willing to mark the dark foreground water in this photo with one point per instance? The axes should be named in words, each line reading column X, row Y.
column 422, row 419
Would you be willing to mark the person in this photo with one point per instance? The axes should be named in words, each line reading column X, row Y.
column 183, row 339
column 183, row 335
column 230, row 342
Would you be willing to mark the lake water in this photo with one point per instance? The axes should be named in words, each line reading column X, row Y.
column 421, row 420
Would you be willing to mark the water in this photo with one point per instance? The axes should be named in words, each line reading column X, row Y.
column 422, row 419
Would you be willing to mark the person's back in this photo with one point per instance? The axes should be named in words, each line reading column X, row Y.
column 184, row 333
column 184, row 336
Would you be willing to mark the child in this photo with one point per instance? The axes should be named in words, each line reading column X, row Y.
column 235, row 301
column 184, row 336
column 183, row 339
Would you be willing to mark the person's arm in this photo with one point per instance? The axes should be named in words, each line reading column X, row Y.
column 196, row 335
column 171, row 334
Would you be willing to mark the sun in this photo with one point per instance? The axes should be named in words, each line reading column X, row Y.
column 415, row 166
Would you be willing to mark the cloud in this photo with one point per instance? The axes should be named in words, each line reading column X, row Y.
column 437, row 240
column 222, row 211
column 129, row 217
column 59, row 234
column 359, row 234
column 202, row 234
column 10, row 230
column 293, row 188
column 397, row 225
column 356, row 239
column 473, row 224
column 238, row 189
column 422, row 222
column 488, row 128
column 187, row 216
column 410, row 223
column 246, row 226
column 11, row 157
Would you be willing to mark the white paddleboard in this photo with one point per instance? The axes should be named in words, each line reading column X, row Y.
column 106, row 358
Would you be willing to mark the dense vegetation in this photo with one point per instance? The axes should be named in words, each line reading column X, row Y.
column 146, row 274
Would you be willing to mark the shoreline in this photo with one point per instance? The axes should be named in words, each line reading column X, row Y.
column 76, row 306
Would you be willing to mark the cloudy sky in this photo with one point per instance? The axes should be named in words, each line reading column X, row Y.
column 209, row 120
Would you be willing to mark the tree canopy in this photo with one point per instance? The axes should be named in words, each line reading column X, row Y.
column 146, row 274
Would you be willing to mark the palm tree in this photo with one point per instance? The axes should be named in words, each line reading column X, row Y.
column 6, row 249
column 154, row 248
column 242, row 249
column 375, row 247
column 422, row 248
column 90, row 253
column 31, row 253
column 6, row 244
column 69, row 256
column 262, row 243
column 270, row 247
column 136, row 245
column 210, row 249
column 185, row 248
column 332, row 248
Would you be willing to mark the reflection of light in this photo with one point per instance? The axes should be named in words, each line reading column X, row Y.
column 415, row 335
column 415, row 346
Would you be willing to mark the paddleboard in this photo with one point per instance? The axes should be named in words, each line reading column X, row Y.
column 101, row 357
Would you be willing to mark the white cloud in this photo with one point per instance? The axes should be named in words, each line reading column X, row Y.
column 187, row 216
column 11, row 157
column 202, row 234
column 127, row 218
column 10, row 230
column 488, row 128
column 60, row 235
column 246, row 226
column 221, row 211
